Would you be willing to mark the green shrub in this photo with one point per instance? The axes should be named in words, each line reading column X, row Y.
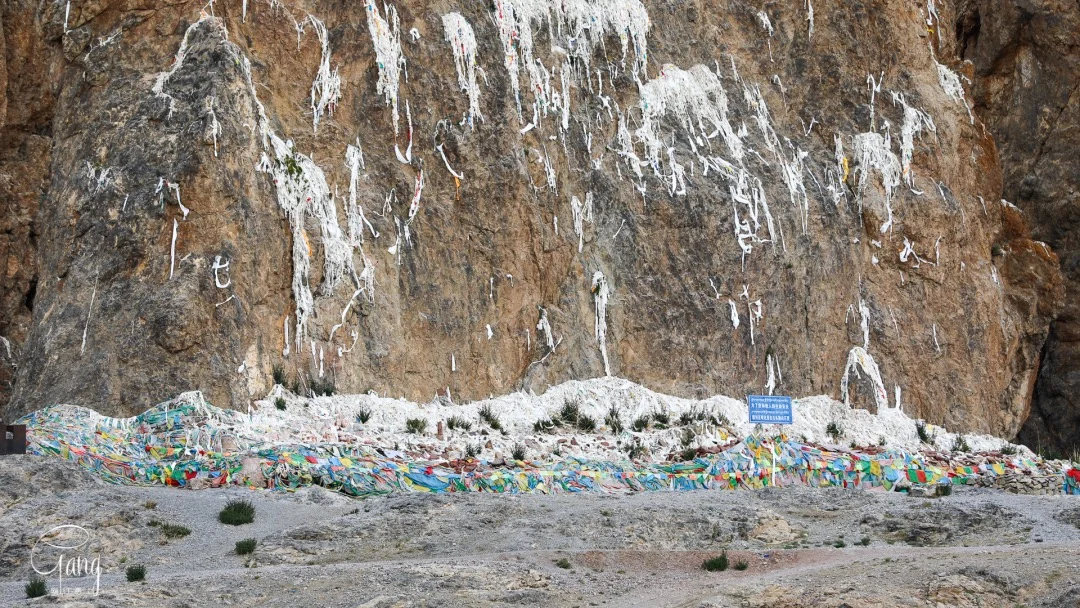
column 36, row 588
column 544, row 426
column 635, row 450
column 280, row 403
column 174, row 530
column 363, row 415
column 613, row 420
column 237, row 512
column 721, row 420
column 834, row 430
column 716, row 564
column 518, row 453
column 687, row 438
column 586, row 423
column 488, row 415
column 961, row 444
column 135, row 573
column 1008, row 450
column 472, row 451
column 661, row 417
column 571, row 409
column 839, row 544
column 457, row 422
column 741, row 565
column 688, row 454
column 691, row 416
column 278, row 373
column 563, row 563
column 416, row 426
column 943, row 489
column 865, row 541
column 150, row 505
column 641, row 423
column 924, row 435
column 246, row 546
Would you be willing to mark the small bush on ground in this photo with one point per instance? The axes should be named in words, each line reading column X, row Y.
column 457, row 422
column 661, row 417
column 544, row 425
column 363, row 415
column 488, row 416
column 943, row 490
column 135, row 573
column 36, row 588
column 571, row 409
column 961, row 444
column 613, row 420
column 834, row 430
column 563, row 563
column 150, row 505
column 641, row 423
column 716, row 564
column 175, row 530
column 279, row 375
column 472, row 451
column 924, row 435
column 237, row 512
column 741, row 565
column 518, row 453
column 416, row 426
column 586, row 423
column 246, row 546
column 279, row 403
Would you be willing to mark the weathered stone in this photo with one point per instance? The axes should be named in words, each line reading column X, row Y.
column 119, row 322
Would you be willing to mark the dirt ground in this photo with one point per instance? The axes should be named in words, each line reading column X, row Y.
column 799, row 546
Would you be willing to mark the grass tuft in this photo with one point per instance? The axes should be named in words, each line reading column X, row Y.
column 488, row 415
column 174, row 530
column 278, row 373
column 563, row 563
column 363, row 415
column 457, row 422
column 237, row 512
column 416, row 426
column 613, row 420
column 741, row 565
column 641, row 423
column 834, row 430
column 571, row 409
column 586, row 423
column 518, row 453
column 280, row 403
column 36, row 588
column 246, row 546
column 716, row 564
column 136, row 573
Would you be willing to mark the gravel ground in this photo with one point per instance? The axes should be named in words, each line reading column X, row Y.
column 801, row 547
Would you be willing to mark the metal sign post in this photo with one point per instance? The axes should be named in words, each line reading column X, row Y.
column 770, row 409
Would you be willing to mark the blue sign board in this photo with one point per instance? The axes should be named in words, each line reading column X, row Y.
column 769, row 409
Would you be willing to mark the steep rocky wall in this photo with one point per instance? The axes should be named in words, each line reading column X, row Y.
column 1027, row 89
column 811, row 225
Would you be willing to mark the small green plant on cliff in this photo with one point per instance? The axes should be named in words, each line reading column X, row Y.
column 416, row 426
column 279, row 403
column 961, row 444
column 278, row 373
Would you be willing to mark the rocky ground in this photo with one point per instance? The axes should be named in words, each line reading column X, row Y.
column 801, row 546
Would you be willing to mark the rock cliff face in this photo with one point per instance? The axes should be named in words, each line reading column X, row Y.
column 479, row 197
column 1027, row 89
